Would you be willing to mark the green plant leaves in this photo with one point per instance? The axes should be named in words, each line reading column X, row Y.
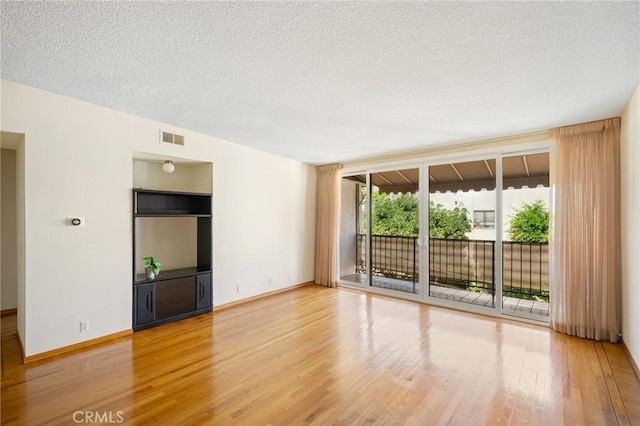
column 530, row 223
column 149, row 262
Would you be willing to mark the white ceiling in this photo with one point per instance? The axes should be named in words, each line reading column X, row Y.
column 332, row 81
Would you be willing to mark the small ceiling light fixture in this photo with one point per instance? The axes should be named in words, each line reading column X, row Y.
column 168, row 166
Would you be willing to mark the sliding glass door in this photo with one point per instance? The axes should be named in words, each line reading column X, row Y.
column 525, row 207
column 381, row 217
column 354, row 225
column 395, row 228
column 462, row 232
column 447, row 231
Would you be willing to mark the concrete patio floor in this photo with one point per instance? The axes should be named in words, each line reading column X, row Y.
column 514, row 304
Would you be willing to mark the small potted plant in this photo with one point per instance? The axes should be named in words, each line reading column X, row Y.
column 151, row 267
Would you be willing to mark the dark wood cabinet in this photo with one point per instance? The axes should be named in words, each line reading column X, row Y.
column 203, row 288
column 165, row 203
column 178, row 293
column 175, row 297
column 144, row 303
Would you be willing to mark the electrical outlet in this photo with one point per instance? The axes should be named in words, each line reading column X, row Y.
column 237, row 288
column 270, row 281
column 84, row 326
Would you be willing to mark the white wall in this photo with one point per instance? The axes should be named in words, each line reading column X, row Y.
column 8, row 227
column 264, row 222
column 190, row 177
column 21, row 236
column 78, row 162
column 169, row 240
column 630, row 199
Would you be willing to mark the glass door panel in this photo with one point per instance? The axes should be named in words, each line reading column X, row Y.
column 525, row 211
column 353, row 230
column 462, row 232
column 395, row 228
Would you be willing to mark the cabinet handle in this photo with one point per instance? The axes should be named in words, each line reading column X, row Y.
column 147, row 303
column 151, row 297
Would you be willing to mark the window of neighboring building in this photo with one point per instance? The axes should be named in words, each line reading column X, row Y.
column 484, row 219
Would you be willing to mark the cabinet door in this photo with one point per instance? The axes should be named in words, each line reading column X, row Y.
column 204, row 291
column 175, row 297
column 145, row 303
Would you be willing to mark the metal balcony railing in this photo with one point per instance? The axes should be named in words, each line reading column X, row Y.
column 464, row 264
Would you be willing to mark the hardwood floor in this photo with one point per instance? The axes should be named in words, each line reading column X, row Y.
column 324, row 356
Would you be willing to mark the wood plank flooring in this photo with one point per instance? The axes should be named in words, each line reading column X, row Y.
column 324, row 356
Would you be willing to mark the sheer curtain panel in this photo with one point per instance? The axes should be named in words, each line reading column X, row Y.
column 327, row 225
column 585, row 231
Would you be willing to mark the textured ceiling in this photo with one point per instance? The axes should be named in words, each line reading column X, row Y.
column 333, row 81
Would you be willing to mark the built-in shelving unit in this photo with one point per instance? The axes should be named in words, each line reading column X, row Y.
column 166, row 203
column 175, row 293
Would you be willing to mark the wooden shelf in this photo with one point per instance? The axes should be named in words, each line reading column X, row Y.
column 169, row 213
column 164, row 203
column 171, row 274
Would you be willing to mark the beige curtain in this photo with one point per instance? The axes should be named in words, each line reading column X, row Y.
column 585, row 231
column 327, row 225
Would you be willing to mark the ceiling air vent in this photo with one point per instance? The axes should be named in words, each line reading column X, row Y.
column 172, row 138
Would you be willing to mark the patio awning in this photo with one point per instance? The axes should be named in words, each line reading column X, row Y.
column 519, row 171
